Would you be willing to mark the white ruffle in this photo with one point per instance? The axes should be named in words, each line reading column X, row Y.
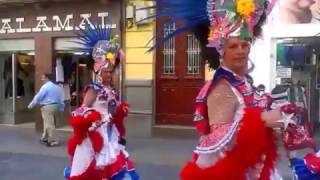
column 83, row 156
column 111, row 148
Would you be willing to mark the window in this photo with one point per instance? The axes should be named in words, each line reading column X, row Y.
column 169, row 51
column 193, row 52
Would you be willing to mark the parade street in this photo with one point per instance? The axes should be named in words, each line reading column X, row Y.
column 22, row 157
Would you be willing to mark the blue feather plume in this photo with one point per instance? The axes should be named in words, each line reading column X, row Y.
column 89, row 37
column 189, row 14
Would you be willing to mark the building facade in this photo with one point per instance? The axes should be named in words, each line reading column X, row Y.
column 160, row 86
column 33, row 36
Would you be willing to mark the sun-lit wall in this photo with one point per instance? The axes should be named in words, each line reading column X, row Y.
column 139, row 63
column 139, row 71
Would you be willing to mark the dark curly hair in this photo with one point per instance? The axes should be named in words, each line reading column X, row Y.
column 210, row 54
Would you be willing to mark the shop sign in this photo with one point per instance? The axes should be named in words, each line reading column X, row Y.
column 66, row 23
column 284, row 72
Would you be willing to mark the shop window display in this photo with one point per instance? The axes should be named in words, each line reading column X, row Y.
column 292, row 55
column 76, row 73
column 300, row 55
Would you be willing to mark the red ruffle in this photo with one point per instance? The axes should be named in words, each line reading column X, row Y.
column 80, row 126
column 118, row 118
column 115, row 167
column 312, row 162
column 130, row 165
column 253, row 139
column 93, row 116
column 72, row 145
column 97, row 141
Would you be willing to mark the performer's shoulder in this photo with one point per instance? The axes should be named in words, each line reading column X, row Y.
column 221, row 88
column 93, row 85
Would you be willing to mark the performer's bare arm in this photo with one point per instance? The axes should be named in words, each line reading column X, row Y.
column 222, row 103
column 89, row 97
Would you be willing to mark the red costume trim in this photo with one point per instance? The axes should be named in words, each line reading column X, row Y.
column 80, row 126
column 96, row 140
column 253, row 140
column 93, row 116
column 118, row 118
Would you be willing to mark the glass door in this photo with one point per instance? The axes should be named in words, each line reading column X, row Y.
column 24, row 86
column 6, row 83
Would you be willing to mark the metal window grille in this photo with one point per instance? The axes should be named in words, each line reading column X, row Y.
column 193, row 52
column 169, row 52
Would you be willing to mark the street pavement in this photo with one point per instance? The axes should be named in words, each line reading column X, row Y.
column 22, row 157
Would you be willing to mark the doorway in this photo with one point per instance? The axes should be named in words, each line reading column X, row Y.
column 298, row 68
column 17, row 87
column 77, row 72
column 179, row 77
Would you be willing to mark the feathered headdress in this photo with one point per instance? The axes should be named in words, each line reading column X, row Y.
column 104, row 48
column 225, row 17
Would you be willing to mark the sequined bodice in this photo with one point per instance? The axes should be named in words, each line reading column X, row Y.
column 240, row 84
column 106, row 100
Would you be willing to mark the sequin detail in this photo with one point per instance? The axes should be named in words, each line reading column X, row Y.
column 218, row 131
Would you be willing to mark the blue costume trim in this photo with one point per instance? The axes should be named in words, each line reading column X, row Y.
column 301, row 170
column 94, row 85
column 67, row 172
column 119, row 176
column 229, row 76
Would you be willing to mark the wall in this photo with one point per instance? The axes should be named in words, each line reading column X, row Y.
column 139, row 75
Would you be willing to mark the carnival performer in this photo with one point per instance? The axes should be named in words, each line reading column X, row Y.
column 237, row 140
column 97, row 147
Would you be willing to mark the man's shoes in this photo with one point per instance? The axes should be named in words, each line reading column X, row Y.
column 52, row 143
column 43, row 140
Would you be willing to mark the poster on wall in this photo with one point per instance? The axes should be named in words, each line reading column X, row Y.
column 295, row 12
column 283, row 72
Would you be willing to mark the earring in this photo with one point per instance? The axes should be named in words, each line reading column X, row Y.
column 251, row 67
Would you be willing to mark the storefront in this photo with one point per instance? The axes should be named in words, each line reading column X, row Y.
column 291, row 49
column 295, row 65
column 33, row 36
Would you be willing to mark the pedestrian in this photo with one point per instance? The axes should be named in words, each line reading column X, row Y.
column 50, row 100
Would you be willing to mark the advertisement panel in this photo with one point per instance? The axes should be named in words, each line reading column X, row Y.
column 295, row 12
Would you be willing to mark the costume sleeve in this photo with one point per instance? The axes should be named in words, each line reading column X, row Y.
column 118, row 118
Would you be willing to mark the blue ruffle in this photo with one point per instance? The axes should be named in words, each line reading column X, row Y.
column 301, row 170
column 120, row 176
column 67, row 172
